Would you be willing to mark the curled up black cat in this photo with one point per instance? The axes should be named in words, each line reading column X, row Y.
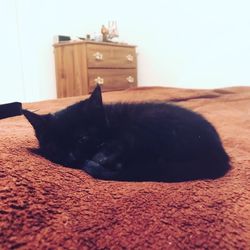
column 131, row 142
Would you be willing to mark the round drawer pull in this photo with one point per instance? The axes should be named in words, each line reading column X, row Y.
column 130, row 79
column 98, row 56
column 99, row 80
column 130, row 58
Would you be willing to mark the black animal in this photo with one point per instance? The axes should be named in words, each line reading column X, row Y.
column 131, row 142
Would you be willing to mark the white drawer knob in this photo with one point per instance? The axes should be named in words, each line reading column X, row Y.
column 98, row 56
column 130, row 58
column 99, row 80
column 130, row 79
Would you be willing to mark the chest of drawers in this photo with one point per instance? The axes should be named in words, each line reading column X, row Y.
column 83, row 64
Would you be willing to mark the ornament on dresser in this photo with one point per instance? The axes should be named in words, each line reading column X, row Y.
column 105, row 33
column 110, row 34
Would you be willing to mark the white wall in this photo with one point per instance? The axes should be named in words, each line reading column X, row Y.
column 195, row 43
column 11, row 78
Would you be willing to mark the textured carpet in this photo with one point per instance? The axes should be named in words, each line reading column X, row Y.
column 46, row 206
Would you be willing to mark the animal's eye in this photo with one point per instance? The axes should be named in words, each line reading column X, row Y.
column 101, row 145
column 83, row 139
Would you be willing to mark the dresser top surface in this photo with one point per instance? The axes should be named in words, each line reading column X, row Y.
column 67, row 43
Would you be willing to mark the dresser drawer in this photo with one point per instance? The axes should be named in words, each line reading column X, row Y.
column 112, row 79
column 99, row 56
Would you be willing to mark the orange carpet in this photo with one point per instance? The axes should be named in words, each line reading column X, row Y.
column 46, row 206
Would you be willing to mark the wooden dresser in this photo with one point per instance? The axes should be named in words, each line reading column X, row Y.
column 80, row 65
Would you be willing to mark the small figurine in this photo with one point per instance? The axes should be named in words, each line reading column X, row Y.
column 105, row 33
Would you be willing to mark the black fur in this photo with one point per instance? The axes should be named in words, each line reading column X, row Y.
column 133, row 142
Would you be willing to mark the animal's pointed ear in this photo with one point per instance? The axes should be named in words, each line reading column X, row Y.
column 37, row 121
column 96, row 105
column 96, row 97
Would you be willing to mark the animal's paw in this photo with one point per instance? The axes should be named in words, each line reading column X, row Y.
column 101, row 158
column 98, row 171
column 92, row 168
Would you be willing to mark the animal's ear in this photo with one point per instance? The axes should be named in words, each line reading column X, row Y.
column 96, row 97
column 96, row 105
column 37, row 121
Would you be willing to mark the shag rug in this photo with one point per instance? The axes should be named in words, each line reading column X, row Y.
column 46, row 206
